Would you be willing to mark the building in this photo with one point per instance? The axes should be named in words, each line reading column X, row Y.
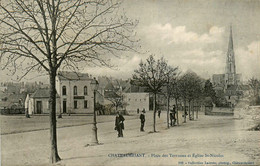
column 75, row 92
column 38, row 102
column 230, row 77
column 229, row 82
column 136, row 100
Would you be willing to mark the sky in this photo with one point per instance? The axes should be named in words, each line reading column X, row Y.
column 192, row 35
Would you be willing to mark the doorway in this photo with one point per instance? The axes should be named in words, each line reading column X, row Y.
column 64, row 106
column 38, row 107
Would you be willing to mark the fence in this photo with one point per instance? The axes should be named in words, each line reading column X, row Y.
column 10, row 111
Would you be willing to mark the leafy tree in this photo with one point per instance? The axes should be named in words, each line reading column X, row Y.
column 50, row 35
column 190, row 88
column 255, row 86
column 152, row 75
column 209, row 90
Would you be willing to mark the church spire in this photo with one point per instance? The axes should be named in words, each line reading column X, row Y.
column 230, row 63
column 230, row 44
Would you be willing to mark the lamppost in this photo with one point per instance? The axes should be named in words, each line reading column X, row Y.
column 94, row 87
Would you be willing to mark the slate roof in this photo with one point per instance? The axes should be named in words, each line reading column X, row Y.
column 42, row 93
column 111, row 94
column 243, row 87
column 232, row 87
column 109, row 86
column 66, row 75
column 134, row 89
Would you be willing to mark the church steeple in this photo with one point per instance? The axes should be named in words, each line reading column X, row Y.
column 230, row 44
column 230, row 62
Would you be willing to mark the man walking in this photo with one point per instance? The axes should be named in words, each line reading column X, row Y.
column 159, row 113
column 142, row 118
column 119, row 124
column 172, row 116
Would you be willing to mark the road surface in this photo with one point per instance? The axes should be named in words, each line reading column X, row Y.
column 210, row 140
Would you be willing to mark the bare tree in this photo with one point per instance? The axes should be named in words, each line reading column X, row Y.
column 115, row 98
column 152, row 75
column 59, row 34
column 170, row 76
column 174, row 92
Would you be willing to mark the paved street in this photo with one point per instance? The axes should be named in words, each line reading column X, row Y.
column 18, row 123
column 221, row 138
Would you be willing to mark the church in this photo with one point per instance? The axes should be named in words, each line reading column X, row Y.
column 229, row 83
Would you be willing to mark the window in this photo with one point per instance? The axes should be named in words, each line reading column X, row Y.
column 85, row 104
column 48, row 105
column 85, row 90
column 75, row 104
column 64, row 90
column 129, row 99
column 75, row 90
column 140, row 99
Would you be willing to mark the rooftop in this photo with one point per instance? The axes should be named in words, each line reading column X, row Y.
column 42, row 93
column 66, row 75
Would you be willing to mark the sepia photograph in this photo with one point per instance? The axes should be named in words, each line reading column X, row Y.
column 129, row 82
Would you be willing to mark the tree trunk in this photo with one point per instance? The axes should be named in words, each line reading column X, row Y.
column 168, row 110
column 154, row 112
column 198, row 107
column 177, row 112
column 53, row 133
column 184, row 111
column 189, row 110
column 193, row 110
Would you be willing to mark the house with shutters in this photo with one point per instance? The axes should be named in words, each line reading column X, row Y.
column 38, row 102
column 75, row 92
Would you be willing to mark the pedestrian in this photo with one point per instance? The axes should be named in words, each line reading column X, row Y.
column 171, row 117
column 119, row 124
column 137, row 110
column 174, row 115
column 27, row 113
column 142, row 118
column 159, row 113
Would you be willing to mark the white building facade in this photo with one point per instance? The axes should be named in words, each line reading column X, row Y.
column 136, row 100
column 38, row 102
column 75, row 92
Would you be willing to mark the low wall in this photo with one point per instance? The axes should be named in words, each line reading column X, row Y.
column 209, row 111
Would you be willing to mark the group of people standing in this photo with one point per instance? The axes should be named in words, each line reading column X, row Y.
column 119, row 121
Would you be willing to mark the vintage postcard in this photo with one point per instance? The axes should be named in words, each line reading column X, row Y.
column 130, row 82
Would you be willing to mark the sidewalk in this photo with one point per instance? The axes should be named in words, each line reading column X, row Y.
column 19, row 124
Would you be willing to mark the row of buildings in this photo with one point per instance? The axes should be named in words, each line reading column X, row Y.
column 75, row 96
